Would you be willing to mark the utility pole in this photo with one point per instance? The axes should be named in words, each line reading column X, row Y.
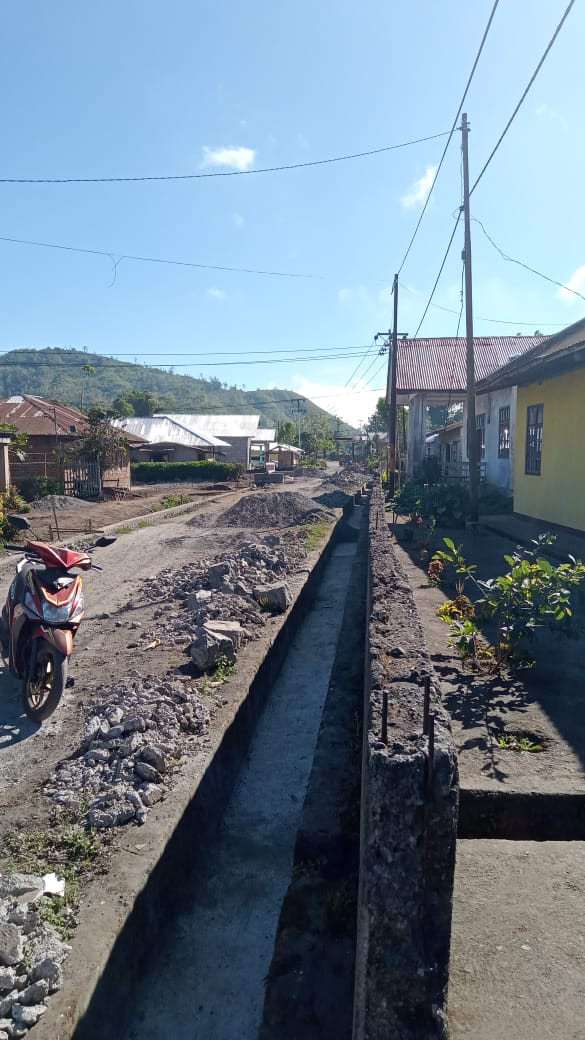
column 391, row 394
column 472, row 441
column 298, row 408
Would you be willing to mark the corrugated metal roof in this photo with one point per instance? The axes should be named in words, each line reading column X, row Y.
column 218, row 425
column 439, row 364
column 38, row 416
column 265, row 433
column 161, row 429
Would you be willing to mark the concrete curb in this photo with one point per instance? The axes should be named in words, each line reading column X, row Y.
column 137, row 900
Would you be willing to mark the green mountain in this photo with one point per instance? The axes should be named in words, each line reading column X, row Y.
column 59, row 374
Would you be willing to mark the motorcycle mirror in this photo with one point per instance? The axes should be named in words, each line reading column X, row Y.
column 104, row 541
column 19, row 523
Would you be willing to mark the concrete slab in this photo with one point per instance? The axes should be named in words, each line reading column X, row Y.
column 518, row 941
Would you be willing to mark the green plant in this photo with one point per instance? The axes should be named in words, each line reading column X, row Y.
column 208, row 470
column 315, row 533
column 268, row 607
column 144, row 523
column 224, row 668
column 517, row 742
column 123, row 530
column 431, row 471
column 533, row 594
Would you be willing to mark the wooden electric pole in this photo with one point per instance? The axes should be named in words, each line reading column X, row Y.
column 391, row 394
column 472, row 439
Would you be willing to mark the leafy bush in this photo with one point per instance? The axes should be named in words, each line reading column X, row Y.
column 533, row 594
column 33, row 488
column 313, row 461
column 448, row 504
column 163, row 472
column 431, row 470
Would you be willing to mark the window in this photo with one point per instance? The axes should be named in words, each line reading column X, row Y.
column 480, row 427
column 534, row 417
column 504, row 433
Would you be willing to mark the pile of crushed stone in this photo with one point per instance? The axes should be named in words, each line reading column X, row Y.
column 50, row 502
column 266, row 509
column 348, row 477
column 31, row 954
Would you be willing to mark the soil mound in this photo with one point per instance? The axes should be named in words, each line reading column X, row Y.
column 272, row 509
column 50, row 502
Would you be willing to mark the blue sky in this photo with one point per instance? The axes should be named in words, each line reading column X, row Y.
column 138, row 88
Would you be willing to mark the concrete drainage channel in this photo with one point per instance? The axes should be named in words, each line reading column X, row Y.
column 194, row 953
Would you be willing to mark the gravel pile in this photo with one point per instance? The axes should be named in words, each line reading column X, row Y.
column 266, row 509
column 221, row 589
column 348, row 477
column 31, row 955
column 131, row 742
column 59, row 502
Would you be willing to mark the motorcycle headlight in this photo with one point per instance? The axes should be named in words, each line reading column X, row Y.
column 55, row 615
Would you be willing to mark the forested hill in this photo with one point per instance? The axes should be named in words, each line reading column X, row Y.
column 63, row 375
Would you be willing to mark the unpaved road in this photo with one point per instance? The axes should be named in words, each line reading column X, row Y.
column 28, row 752
column 209, row 979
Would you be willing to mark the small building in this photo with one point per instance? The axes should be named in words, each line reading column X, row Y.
column 161, row 439
column 52, row 429
column 286, row 456
column 432, row 372
column 545, row 438
column 240, row 432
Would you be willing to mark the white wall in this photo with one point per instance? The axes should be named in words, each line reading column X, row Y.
column 499, row 472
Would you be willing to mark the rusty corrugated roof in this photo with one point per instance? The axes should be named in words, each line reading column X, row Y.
column 36, row 416
column 439, row 364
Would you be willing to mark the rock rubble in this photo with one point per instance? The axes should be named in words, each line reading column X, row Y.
column 31, row 955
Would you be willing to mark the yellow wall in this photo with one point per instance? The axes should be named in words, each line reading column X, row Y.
column 558, row 494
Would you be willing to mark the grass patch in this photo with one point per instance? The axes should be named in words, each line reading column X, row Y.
column 315, row 533
column 144, row 523
column 224, row 669
column 123, row 530
column 518, row 742
column 69, row 850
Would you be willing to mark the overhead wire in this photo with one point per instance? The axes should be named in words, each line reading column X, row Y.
column 526, row 267
column 443, row 262
column 451, row 132
column 521, row 101
column 155, row 259
column 221, row 173
column 112, row 363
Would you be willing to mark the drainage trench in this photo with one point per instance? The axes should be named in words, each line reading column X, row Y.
column 207, row 976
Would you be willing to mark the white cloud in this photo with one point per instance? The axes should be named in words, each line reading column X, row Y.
column 550, row 113
column 417, row 193
column 576, row 282
column 216, row 294
column 355, row 405
column 238, row 219
column 237, row 157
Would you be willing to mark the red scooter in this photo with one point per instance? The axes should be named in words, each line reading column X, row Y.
column 42, row 613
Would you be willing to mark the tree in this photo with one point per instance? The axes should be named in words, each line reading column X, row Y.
column 287, row 433
column 318, row 438
column 104, row 440
column 137, row 402
column 379, row 422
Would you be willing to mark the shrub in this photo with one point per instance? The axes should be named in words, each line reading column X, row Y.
column 33, row 488
column 163, row 472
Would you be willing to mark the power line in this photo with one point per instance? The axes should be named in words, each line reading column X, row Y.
column 360, row 363
column 443, row 262
column 479, row 317
column 451, row 132
column 219, row 173
column 185, row 364
column 526, row 267
column 518, row 106
column 111, row 254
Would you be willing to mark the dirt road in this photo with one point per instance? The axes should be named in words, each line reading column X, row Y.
column 104, row 649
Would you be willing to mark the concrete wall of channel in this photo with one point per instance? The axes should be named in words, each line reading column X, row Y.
column 408, row 818
column 137, row 903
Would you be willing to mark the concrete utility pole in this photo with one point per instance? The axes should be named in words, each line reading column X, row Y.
column 472, row 441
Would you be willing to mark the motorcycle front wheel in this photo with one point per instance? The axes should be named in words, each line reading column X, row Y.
column 42, row 691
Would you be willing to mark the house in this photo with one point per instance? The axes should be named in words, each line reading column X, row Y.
column 546, row 450
column 51, row 428
column 240, row 432
column 53, row 433
column 161, row 439
column 433, row 372
column 445, row 445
